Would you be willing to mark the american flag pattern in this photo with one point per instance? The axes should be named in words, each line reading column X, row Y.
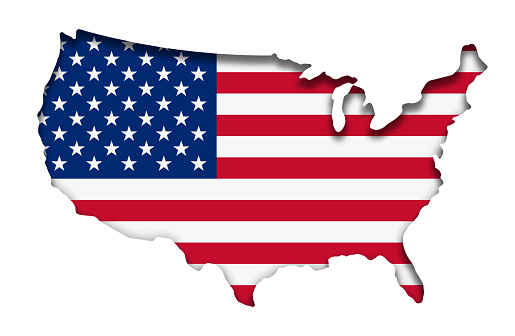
column 235, row 157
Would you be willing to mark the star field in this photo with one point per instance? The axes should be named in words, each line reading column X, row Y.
column 117, row 109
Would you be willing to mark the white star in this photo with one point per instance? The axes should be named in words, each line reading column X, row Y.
column 59, row 134
column 163, row 163
column 181, row 59
column 146, row 59
column 59, row 74
column 111, row 149
column 76, row 89
column 59, row 103
column 198, row 74
column 146, row 149
column 111, row 59
column 76, row 119
column 62, row 45
column 128, row 74
column 128, row 134
column 146, row 89
column 181, row 89
column 129, row 163
column 93, row 74
column 94, row 44
column 44, row 90
column 128, row 104
column 164, row 49
column 163, row 104
column 198, row 134
column 198, row 163
column 162, row 134
column 93, row 163
column 93, row 104
column 128, row 45
column 42, row 118
column 111, row 89
column 93, row 134
column 181, row 119
column 111, row 119
column 198, row 104
column 76, row 59
column 44, row 150
column 163, row 74
column 76, row 149
column 59, row 163
column 146, row 119
column 181, row 149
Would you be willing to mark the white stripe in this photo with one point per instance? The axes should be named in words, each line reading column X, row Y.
column 248, row 189
column 239, row 63
column 264, row 232
column 470, row 62
column 406, row 274
column 329, row 146
column 321, row 104
column 252, row 274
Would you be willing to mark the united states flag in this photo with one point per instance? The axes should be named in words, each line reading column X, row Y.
column 235, row 157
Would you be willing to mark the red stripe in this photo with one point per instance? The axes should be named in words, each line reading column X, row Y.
column 287, row 253
column 289, row 82
column 249, row 210
column 330, row 168
column 244, row 293
column 416, row 292
column 276, row 82
column 457, row 83
column 469, row 47
column 322, row 125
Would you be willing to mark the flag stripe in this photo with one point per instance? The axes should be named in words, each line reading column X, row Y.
column 287, row 253
column 469, row 47
column 329, row 146
column 249, row 189
column 269, row 231
column 251, row 274
column 276, row 82
column 289, row 82
column 320, row 104
column 327, row 168
column 456, row 83
column 416, row 292
column 244, row 210
column 237, row 63
column 470, row 63
column 244, row 293
column 306, row 125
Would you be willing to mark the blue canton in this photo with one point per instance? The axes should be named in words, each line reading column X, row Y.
column 116, row 109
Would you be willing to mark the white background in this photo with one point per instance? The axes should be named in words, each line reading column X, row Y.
column 65, row 274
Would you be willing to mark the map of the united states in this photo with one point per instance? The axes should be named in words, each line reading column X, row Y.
column 235, row 158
